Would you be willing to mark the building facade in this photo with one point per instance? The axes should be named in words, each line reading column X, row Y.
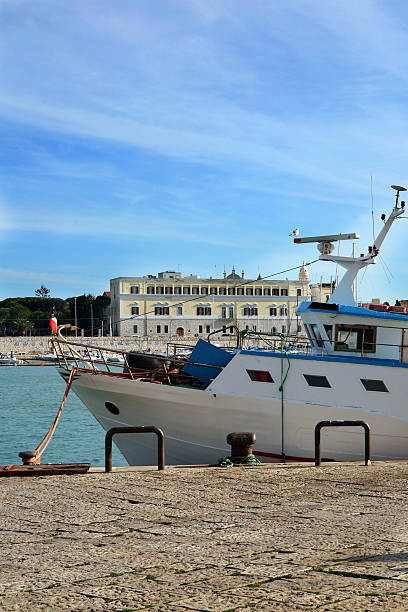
column 171, row 304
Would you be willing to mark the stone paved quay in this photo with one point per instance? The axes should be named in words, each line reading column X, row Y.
column 212, row 539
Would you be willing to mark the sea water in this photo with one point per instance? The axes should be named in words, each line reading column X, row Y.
column 29, row 400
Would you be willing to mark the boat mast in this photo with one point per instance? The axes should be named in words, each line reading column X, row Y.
column 343, row 293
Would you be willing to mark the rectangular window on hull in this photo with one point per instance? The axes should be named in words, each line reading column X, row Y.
column 260, row 376
column 316, row 381
column 374, row 385
column 355, row 338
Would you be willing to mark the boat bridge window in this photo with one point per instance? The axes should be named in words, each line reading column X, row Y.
column 329, row 331
column 355, row 338
column 260, row 376
column 314, row 380
column 374, row 385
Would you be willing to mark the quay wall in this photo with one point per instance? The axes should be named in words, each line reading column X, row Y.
column 33, row 345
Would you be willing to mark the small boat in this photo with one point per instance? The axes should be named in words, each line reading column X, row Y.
column 47, row 357
column 9, row 359
column 353, row 365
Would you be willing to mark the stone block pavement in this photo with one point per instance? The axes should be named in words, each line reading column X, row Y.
column 280, row 537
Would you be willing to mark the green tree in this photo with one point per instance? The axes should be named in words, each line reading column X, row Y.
column 42, row 292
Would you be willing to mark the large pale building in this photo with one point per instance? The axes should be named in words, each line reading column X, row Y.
column 171, row 304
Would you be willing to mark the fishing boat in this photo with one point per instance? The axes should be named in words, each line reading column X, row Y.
column 353, row 366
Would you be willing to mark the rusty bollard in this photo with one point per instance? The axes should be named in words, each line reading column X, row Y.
column 241, row 448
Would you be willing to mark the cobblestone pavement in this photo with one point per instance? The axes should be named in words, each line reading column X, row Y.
column 212, row 539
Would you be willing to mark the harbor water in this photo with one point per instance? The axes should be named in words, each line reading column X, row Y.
column 29, row 400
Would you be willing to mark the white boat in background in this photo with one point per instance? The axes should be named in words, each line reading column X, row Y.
column 47, row 357
column 9, row 359
column 354, row 367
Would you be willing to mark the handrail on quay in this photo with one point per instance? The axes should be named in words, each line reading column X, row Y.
column 367, row 441
column 128, row 430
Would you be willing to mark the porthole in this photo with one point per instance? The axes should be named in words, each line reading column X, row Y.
column 112, row 408
column 316, row 381
column 374, row 385
column 260, row 376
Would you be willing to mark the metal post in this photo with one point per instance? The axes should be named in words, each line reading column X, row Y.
column 75, row 314
column 367, row 440
column 127, row 430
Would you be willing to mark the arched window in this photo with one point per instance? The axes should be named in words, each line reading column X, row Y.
column 231, row 311
column 272, row 310
column 179, row 309
column 223, row 312
column 283, row 311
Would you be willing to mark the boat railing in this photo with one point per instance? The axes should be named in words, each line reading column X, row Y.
column 169, row 371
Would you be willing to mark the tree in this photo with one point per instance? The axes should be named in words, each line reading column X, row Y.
column 42, row 292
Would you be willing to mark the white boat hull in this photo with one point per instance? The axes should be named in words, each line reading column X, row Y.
column 196, row 422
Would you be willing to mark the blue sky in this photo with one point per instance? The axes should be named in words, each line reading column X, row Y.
column 152, row 135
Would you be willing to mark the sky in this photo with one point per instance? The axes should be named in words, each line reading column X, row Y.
column 144, row 136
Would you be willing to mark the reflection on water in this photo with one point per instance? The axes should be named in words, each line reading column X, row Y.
column 29, row 400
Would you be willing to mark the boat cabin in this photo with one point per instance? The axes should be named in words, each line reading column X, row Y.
column 346, row 331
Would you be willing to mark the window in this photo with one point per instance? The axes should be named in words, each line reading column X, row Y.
column 203, row 310
column 158, row 329
column 250, row 311
column 272, row 311
column 207, row 329
column 213, row 291
column 200, row 329
column 150, row 289
column 166, row 329
column 223, row 312
column 298, row 292
column 135, row 310
column 260, row 376
column 240, row 291
column 231, row 312
column 374, row 385
column 169, row 290
column 273, row 330
column 177, row 290
column 355, row 338
column 161, row 310
column 222, row 291
column 195, row 290
column 329, row 331
column 186, row 290
column 135, row 329
column 134, row 289
column 231, row 329
column 267, row 291
column 249, row 291
column 204, row 290
column 275, row 291
column 299, row 328
column 179, row 309
column 247, row 311
column 284, row 292
column 316, row 333
column 316, row 381
column 258, row 291
column 283, row 311
column 159, row 290
column 283, row 329
column 231, row 290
